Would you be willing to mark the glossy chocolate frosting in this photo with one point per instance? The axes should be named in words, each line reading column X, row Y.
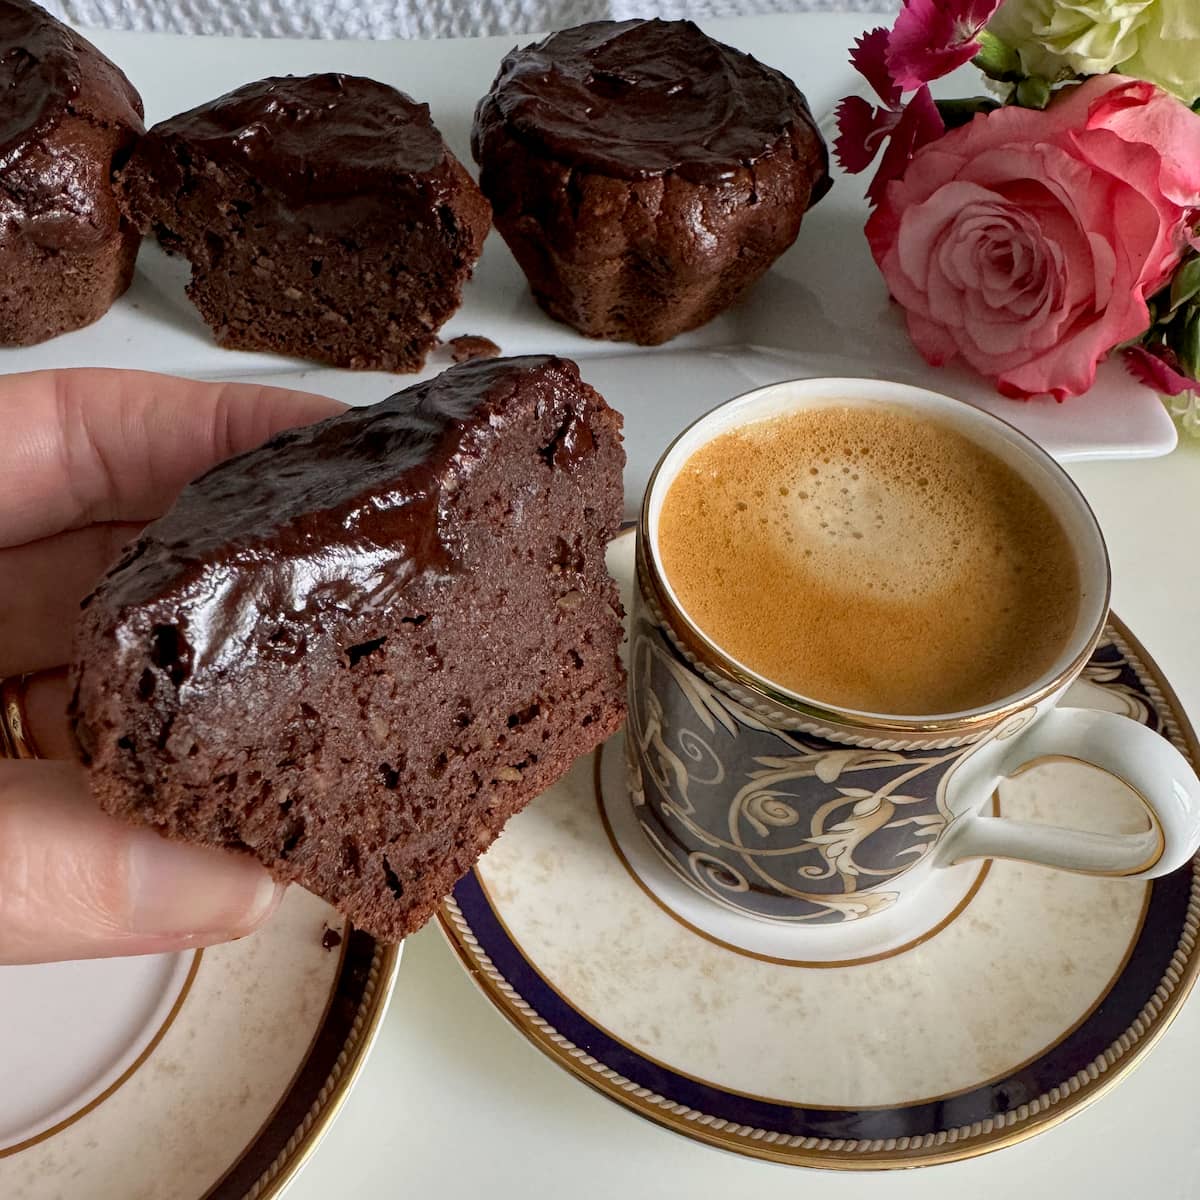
column 345, row 514
column 39, row 74
column 68, row 112
column 639, row 98
column 316, row 137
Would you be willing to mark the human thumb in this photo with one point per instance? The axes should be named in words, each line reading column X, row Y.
column 77, row 883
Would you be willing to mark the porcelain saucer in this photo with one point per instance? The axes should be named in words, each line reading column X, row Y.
column 207, row 1074
column 1031, row 993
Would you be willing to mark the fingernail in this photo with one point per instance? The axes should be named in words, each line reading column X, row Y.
column 179, row 890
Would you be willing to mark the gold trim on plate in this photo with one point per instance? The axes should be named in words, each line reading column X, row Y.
column 346, row 1070
column 641, row 1052
column 125, row 1075
column 811, row 964
column 385, row 964
column 291, row 1083
column 1006, row 1129
column 1154, row 825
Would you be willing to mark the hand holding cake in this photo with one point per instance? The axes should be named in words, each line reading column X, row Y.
column 350, row 654
column 88, row 458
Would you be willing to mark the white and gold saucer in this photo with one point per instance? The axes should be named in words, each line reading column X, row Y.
column 1024, row 995
column 210, row 1074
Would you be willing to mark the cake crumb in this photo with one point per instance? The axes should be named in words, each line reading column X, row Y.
column 469, row 345
column 331, row 939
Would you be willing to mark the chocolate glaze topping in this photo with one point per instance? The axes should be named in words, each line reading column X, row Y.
column 39, row 74
column 315, row 137
column 344, row 514
column 67, row 113
column 638, row 98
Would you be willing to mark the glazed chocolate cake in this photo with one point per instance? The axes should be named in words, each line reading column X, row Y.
column 323, row 216
column 69, row 116
column 358, row 650
column 643, row 175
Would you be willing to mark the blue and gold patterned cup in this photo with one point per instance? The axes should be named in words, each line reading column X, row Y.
column 776, row 804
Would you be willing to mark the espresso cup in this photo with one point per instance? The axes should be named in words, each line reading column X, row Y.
column 780, row 803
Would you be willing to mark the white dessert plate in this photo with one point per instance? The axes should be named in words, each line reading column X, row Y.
column 821, row 310
column 1035, row 994
column 211, row 1074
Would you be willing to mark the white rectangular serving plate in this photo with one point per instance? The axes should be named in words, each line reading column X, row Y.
column 821, row 310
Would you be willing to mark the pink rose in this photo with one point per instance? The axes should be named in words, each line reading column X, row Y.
column 1029, row 241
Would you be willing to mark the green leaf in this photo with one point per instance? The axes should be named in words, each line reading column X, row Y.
column 997, row 59
column 960, row 112
column 1033, row 92
column 1186, row 284
column 1188, row 345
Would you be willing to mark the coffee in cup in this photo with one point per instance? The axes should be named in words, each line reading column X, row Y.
column 871, row 558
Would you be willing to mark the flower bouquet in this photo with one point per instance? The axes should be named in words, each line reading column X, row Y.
column 1035, row 231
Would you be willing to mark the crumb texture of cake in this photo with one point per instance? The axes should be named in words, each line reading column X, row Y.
column 358, row 650
column 323, row 217
column 644, row 175
column 69, row 117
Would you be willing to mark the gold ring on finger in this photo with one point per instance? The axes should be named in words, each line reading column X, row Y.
column 16, row 741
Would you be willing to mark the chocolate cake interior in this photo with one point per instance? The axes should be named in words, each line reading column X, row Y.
column 357, row 651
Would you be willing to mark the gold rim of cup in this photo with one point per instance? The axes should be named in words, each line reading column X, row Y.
column 734, row 677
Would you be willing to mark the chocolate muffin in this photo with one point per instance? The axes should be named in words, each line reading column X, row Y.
column 323, row 216
column 69, row 116
column 358, row 650
column 644, row 175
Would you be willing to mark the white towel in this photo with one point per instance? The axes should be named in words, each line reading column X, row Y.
column 406, row 18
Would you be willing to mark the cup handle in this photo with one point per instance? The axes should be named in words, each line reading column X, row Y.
column 1142, row 759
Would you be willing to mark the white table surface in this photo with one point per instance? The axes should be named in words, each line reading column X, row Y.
column 454, row 1103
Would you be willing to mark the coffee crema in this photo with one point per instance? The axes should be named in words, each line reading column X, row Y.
column 870, row 559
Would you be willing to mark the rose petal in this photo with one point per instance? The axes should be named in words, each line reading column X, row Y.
column 1104, row 259
column 1161, row 233
column 923, row 223
column 944, row 301
column 935, row 344
column 1069, row 368
column 1141, row 114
